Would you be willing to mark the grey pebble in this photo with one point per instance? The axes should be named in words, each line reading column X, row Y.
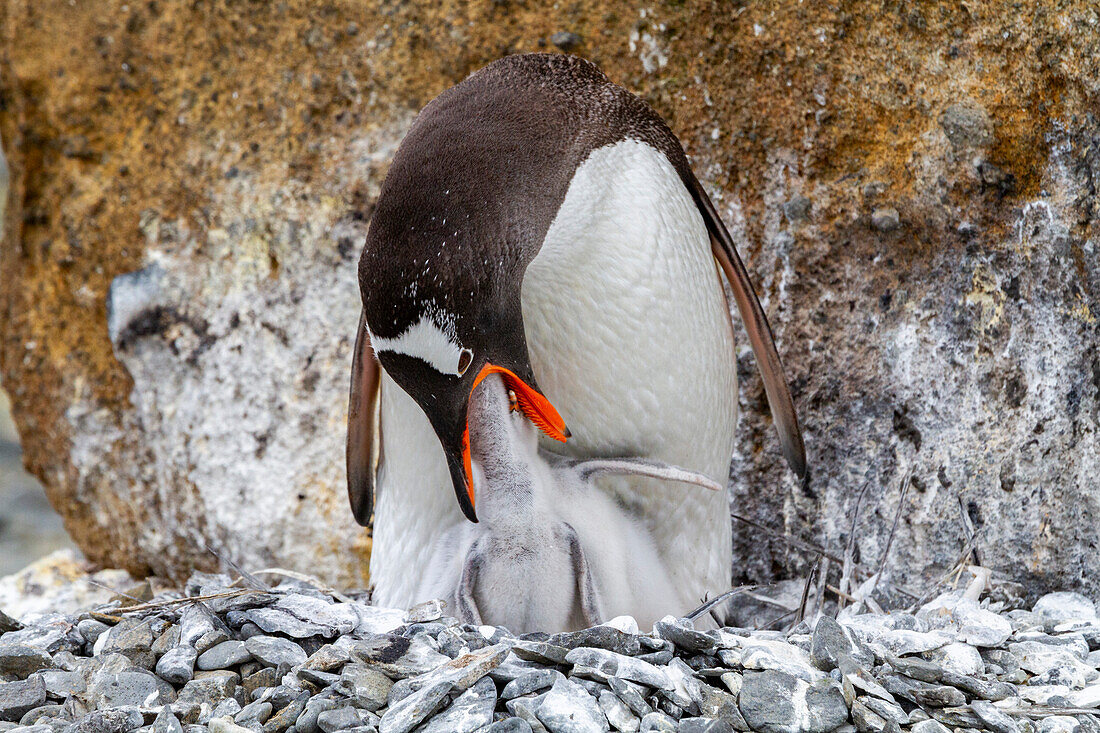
column 657, row 722
column 91, row 629
column 178, row 664
column 258, row 711
column 631, row 695
column 684, row 636
column 273, row 651
column 617, row 712
column 510, row 725
column 61, row 684
column 471, row 711
column 885, row 219
column 166, row 722
column 994, row 719
column 117, row 720
column 568, row 708
column 599, row 637
column 619, row 665
column 22, row 660
column 368, row 687
column 410, row 711
column 704, row 725
column 288, row 716
column 536, row 679
column 223, row 656
column 307, row 721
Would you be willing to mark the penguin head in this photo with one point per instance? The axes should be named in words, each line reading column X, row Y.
column 439, row 347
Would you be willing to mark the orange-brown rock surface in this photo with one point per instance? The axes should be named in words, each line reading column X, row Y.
column 913, row 186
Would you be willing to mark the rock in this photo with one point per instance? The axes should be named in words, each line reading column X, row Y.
column 471, row 711
column 166, row 722
column 368, row 687
column 61, row 684
column 994, row 719
column 212, row 687
column 961, row 659
column 22, row 660
column 536, row 679
column 178, row 664
column 797, row 209
column 967, row 127
column 631, row 695
column 832, row 643
column 410, row 711
column 287, row 717
column 885, row 219
column 132, row 638
column 510, row 725
column 132, row 688
column 617, row 712
column 398, row 656
column 91, row 629
column 618, row 665
column 336, row 719
column 760, row 654
column 929, row 726
column 565, row 40
column 16, row 698
column 7, row 623
column 601, row 637
column 777, row 702
column 118, row 720
column 657, row 722
column 223, row 656
column 259, row 711
column 273, row 651
column 704, row 725
column 1059, row 724
column 1055, row 608
column 681, row 633
column 426, row 611
column 568, row 708
column 224, row 725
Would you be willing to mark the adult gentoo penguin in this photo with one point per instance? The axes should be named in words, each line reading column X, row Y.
column 542, row 223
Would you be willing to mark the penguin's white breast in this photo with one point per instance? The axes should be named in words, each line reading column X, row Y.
column 629, row 338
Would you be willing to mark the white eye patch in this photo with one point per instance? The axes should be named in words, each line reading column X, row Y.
column 428, row 342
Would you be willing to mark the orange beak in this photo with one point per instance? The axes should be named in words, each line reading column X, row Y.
column 533, row 405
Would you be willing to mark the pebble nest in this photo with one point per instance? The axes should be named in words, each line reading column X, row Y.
column 225, row 659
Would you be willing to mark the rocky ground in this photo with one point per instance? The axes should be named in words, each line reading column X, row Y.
column 233, row 656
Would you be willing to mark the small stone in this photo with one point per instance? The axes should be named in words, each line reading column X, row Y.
column 424, row 612
column 539, row 651
column 91, row 629
column 273, row 651
column 132, row 638
column 168, row 640
column 471, row 711
column 704, row 725
column 905, row 641
column 657, row 722
column 684, row 636
column 982, row 689
column 565, row 40
column 195, row 622
column 22, row 660
column 7, row 623
column 716, row 704
column 568, row 708
column 630, row 694
column 133, row 688
column 224, row 725
column 617, row 712
column 831, row 643
column 318, row 678
column 536, row 679
column 117, row 720
column 966, row 127
column 398, row 656
column 367, row 687
column 886, row 710
column 797, row 209
column 329, row 658
column 959, row 658
column 600, row 637
column 178, row 665
column 510, row 725
column 761, row 654
column 166, row 722
column 1055, row 608
column 994, row 719
column 618, row 665
column 266, row 677
column 17, row 698
column 211, row 639
column 929, row 726
column 1057, row 724
column 865, row 719
column 336, row 719
column 259, row 711
column 409, row 712
column 61, row 684
column 776, row 702
column 938, row 696
column 211, row 687
column 885, row 219
column 223, row 656
column 288, row 715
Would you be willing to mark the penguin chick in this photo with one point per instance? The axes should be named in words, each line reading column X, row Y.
column 527, row 567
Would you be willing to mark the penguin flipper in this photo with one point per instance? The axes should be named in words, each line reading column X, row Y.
column 589, row 597
column 756, row 325
column 364, row 446
column 465, row 602
column 589, row 469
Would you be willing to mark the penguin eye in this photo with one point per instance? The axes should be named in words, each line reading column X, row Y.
column 464, row 360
